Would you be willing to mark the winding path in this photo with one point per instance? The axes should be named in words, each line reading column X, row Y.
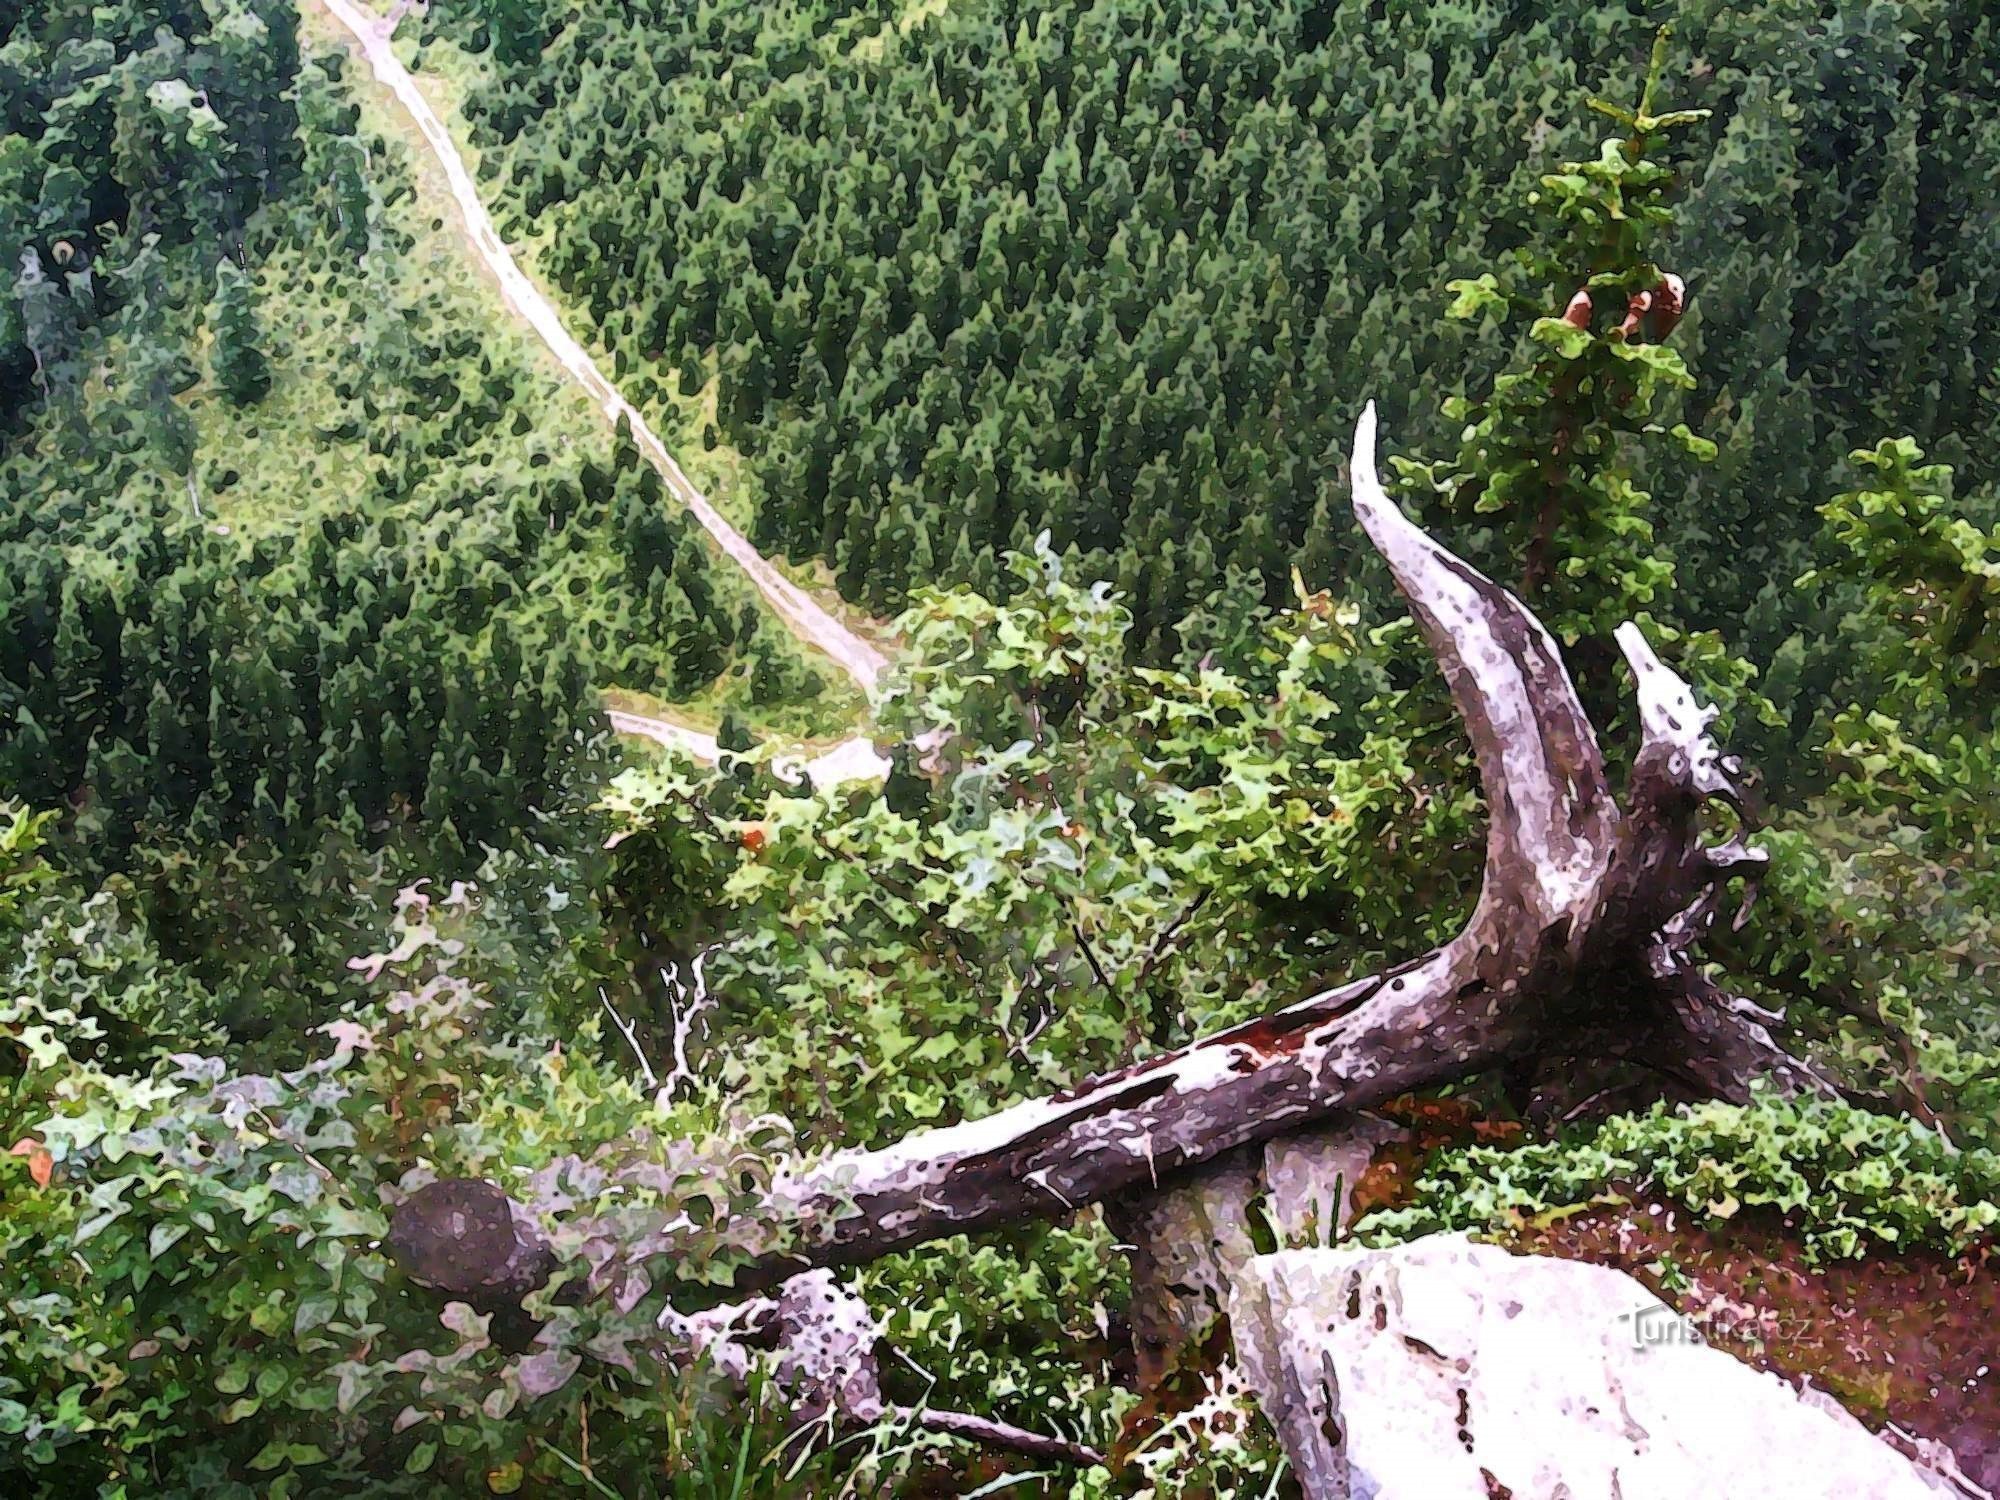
column 854, row 759
column 800, row 612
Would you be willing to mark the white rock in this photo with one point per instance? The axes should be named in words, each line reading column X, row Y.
column 1446, row 1368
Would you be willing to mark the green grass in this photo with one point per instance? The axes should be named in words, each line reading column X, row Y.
column 277, row 464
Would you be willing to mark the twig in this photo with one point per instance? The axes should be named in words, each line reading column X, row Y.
column 991, row 1434
column 1166, row 941
column 1164, row 944
column 631, row 1040
column 1578, row 1109
column 1096, row 968
column 278, row 1133
column 588, row 1478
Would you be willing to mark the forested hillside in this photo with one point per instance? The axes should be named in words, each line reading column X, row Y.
column 1124, row 271
column 406, row 1091
column 304, row 551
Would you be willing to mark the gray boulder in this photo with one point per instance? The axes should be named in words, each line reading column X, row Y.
column 1447, row 1368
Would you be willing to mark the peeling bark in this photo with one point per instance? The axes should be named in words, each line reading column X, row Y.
column 1585, row 904
column 1574, row 885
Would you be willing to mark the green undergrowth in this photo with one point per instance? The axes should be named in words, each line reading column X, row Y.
column 1848, row 1181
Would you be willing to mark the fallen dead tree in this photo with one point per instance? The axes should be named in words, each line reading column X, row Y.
column 1583, row 944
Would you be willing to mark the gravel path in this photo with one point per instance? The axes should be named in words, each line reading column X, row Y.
column 800, row 612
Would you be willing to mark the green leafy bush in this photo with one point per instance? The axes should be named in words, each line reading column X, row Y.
column 200, row 1300
column 1065, row 880
column 1883, row 915
column 1848, row 1180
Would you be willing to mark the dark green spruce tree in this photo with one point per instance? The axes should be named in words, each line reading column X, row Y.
column 236, row 357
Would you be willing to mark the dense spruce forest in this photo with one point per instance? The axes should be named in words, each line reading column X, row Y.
column 1126, row 272
column 410, row 1086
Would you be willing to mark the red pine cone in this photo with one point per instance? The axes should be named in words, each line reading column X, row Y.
column 1669, row 302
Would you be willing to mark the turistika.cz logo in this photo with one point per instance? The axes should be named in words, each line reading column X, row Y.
column 1657, row 1326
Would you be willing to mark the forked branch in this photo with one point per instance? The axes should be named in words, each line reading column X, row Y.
column 1572, row 884
column 1581, row 899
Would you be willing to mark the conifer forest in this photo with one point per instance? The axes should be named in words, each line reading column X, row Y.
column 866, row 747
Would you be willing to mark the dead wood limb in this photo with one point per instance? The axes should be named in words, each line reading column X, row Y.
column 1584, row 904
column 1723, row 1044
column 988, row 1433
column 1573, row 885
column 466, row 1240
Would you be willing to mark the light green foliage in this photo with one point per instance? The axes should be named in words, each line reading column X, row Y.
column 199, row 1301
column 22, row 869
column 1884, row 908
column 1120, row 271
column 1932, row 575
column 1888, row 945
column 126, row 125
column 1848, row 1180
column 80, row 959
column 1544, row 460
column 1022, row 1326
column 332, row 619
column 1047, row 891
column 779, row 676
column 86, row 956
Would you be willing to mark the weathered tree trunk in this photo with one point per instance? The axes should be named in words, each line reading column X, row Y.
column 1187, row 1239
column 1585, row 925
column 1583, row 902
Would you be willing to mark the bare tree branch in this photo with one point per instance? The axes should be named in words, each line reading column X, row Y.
column 1584, row 905
column 820, row 1337
column 631, row 1037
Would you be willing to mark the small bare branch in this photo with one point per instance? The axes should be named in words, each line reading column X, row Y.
column 631, row 1038
column 694, row 992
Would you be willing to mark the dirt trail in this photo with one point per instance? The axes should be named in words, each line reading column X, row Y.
column 854, row 759
column 805, row 618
